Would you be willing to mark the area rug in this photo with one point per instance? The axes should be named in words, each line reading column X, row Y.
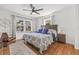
column 19, row 48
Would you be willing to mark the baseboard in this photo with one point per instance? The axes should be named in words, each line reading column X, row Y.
column 76, row 47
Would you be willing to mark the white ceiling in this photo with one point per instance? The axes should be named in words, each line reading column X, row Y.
column 48, row 8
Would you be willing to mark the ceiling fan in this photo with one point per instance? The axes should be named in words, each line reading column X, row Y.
column 33, row 9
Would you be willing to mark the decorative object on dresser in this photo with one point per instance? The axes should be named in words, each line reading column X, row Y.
column 62, row 37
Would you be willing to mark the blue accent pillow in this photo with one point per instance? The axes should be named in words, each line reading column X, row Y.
column 39, row 30
column 45, row 31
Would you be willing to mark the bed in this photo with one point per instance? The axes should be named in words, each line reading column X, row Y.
column 39, row 40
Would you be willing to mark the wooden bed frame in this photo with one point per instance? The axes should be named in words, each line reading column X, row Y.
column 55, row 27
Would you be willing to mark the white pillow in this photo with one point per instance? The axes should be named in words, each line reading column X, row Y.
column 50, row 31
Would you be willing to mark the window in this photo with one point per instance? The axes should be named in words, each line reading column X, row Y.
column 20, row 25
column 23, row 24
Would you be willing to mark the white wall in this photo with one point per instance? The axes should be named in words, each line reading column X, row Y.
column 67, row 22
column 77, row 17
column 5, row 21
column 35, row 23
column 40, row 22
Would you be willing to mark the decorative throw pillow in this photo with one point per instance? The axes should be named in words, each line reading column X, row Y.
column 45, row 31
column 39, row 31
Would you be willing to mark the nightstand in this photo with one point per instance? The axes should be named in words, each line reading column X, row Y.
column 62, row 37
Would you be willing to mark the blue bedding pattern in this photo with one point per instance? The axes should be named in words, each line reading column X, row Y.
column 43, row 31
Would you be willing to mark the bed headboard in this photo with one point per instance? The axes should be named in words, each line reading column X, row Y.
column 55, row 27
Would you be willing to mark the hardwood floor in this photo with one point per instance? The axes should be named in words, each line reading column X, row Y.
column 60, row 49
column 54, row 49
column 6, row 50
column 57, row 49
column 1, row 51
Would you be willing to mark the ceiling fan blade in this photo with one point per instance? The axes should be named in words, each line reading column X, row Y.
column 26, row 10
column 33, row 9
column 39, row 9
column 37, row 12
column 31, row 5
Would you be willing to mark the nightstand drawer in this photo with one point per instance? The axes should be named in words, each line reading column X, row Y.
column 62, row 38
